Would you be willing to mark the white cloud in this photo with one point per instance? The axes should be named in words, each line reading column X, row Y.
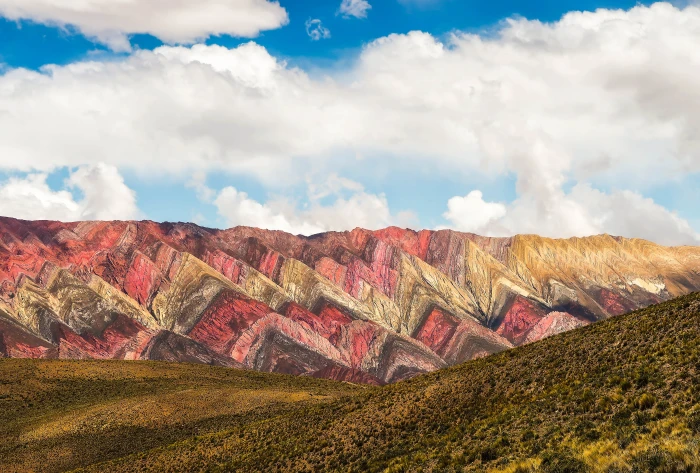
column 198, row 182
column 604, row 97
column 352, row 207
column 593, row 86
column 471, row 213
column 316, row 30
column 355, row 8
column 105, row 197
column 630, row 214
column 31, row 198
column 581, row 212
column 176, row 21
column 239, row 209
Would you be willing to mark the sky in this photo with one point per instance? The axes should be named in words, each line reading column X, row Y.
column 567, row 118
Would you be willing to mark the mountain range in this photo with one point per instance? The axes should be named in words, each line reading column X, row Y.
column 371, row 307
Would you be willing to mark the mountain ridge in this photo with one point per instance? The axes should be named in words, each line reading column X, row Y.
column 379, row 305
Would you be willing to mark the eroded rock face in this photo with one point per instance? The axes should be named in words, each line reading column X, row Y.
column 361, row 306
column 552, row 324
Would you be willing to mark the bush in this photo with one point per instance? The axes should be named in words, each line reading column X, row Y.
column 618, row 469
column 621, row 418
column 489, row 454
column 646, row 401
column 586, row 430
column 625, row 438
column 563, row 462
column 694, row 422
column 658, row 460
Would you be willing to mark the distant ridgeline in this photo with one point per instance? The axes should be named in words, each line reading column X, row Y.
column 364, row 306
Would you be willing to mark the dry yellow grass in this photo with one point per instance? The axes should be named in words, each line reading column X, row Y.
column 59, row 415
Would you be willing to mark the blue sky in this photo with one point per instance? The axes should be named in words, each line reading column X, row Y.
column 408, row 152
column 27, row 44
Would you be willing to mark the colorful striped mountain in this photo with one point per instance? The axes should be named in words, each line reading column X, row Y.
column 362, row 306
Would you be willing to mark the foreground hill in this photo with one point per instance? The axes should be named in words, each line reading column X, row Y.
column 59, row 415
column 361, row 306
column 622, row 395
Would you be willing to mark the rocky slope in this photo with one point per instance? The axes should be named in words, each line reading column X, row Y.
column 362, row 306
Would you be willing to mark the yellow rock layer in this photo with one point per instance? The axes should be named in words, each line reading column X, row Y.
column 193, row 288
column 31, row 301
column 307, row 287
column 260, row 287
column 603, row 261
column 422, row 287
column 122, row 302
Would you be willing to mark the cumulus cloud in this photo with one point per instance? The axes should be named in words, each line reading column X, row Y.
column 354, row 8
column 351, row 207
column 471, row 213
column 198, row 182
column 31, row 198
column 603, row 97
column 589, row 85
column 237, row 208
column 179, row 21
column 592, row 86
column 316, row 30
column 105, row 196
column 581, row 212
column 630, row 214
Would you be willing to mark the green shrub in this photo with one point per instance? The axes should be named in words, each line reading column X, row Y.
column 586, row 430
column 646, row 401
column 489, row 454
column 694, row 422
column 658, row 460
column 563, row 462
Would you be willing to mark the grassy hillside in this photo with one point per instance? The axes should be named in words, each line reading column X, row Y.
column 60, row 415
column 618, row 396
